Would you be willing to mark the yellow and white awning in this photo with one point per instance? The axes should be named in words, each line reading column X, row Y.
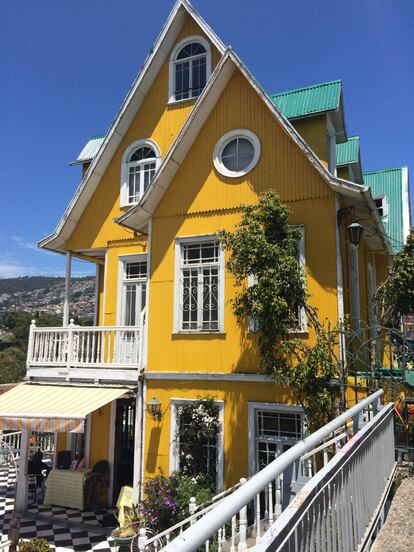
column 50, row 408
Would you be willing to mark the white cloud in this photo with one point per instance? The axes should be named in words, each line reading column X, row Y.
column 27, row 245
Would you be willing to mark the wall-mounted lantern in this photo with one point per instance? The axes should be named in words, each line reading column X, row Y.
column 355, row 231
column 154, row 409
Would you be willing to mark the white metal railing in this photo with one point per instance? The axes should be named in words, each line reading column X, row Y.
column 339, row 508
column 85, row 346
column 12, row 441
column 240, row 520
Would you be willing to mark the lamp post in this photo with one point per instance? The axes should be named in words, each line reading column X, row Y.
column 355, row 231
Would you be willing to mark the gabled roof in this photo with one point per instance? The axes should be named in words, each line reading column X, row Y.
column 394, row 185
column 348, row 152
column 89, row 151
column 181, row 11
column 137, row 217
column 314, row 99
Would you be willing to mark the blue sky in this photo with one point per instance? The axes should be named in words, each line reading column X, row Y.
column 65, row 67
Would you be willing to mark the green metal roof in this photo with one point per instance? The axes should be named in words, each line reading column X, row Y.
column 348, row 152
column 89, row 150
column 310, row 100
column 393, row 184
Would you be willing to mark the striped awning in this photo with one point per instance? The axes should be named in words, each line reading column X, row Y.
column 50, row 408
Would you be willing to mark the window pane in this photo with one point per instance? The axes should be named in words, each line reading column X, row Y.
column 195, row 253
column 133, row 184
column 190, row 299
column 149, row 172
column 199, row 76
column 237, row 154
column 182, row 80
column 136, row 270
column 192, row 49
column 130, row 305
column 210, row 298
column 143, row 152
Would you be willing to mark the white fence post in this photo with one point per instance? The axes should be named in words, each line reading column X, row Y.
column 142, row 540
column 242, row 524
column 192, row 508
column 31, row 343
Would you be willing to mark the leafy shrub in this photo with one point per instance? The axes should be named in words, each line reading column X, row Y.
column 167, row 498
column 34, row 545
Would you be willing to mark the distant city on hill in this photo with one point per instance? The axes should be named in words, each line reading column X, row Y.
column 44, row 295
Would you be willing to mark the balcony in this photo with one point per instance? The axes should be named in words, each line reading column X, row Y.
column 85, row 353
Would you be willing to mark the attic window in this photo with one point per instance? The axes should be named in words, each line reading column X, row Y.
column 236, row 153
column 139, row 165
column 381, row 204
column 190, row 67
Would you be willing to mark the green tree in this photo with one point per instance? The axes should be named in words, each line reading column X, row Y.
column 395, row 297
column 264, row 248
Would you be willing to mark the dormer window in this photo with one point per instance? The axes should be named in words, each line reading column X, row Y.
column 382, row 208
column 190, row 68
column 139, row 165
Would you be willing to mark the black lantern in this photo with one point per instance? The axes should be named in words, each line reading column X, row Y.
column 154, row 409
column 355, row 231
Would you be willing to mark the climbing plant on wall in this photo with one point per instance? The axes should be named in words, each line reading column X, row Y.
column 198, row 429
column 263, row 250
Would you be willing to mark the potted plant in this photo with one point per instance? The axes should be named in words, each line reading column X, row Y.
column 123, row 537
column 34, row 545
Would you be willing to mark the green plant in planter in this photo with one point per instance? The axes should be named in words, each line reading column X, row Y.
column 34, row 545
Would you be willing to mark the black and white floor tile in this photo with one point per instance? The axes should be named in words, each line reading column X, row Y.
column 73, row 537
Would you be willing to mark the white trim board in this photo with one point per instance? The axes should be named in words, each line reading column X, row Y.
column 206, row 376
column 173, row 463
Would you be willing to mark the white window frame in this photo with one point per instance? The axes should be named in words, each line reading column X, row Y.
column 253, row 407
column 124, row 194
column 303, row 322
column 226, row 139
column 174, row 450
column 122, row 262
column 177, row 324
column 171, row 80
column 383, row 198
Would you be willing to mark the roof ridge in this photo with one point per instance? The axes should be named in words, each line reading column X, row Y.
column 303, row 88
column 386, row 170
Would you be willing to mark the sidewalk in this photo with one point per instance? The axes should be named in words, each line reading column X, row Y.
column 397, row 534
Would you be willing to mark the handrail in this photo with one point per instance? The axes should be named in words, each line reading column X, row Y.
column 201, row 531
column 284, row 527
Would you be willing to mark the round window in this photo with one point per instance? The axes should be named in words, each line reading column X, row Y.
column 236, row 153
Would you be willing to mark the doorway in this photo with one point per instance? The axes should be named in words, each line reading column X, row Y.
column 124, row 445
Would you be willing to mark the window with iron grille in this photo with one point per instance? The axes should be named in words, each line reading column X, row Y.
column 199, row 289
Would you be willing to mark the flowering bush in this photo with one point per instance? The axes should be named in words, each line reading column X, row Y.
column 197, row 433
column 167, row 498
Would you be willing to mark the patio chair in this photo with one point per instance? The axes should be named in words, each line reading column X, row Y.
column 97, row 484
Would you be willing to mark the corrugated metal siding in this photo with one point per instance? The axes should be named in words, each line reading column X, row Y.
column 282, row 166
column 348, row 152
column 90, row 150
column 155, row 120
column 312, row 99
column 388, row 182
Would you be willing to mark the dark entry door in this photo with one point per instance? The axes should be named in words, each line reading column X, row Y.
column 124, row 445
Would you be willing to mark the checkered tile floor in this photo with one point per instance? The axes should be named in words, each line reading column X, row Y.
column 61, row 538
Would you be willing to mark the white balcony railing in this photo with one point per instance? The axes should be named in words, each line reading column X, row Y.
column 85, row 347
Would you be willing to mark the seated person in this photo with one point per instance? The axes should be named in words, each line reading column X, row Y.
column 38, row 467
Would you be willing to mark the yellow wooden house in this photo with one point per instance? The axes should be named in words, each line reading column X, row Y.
column 195, row 140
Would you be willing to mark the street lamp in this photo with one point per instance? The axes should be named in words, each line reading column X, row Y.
column 355, row 231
